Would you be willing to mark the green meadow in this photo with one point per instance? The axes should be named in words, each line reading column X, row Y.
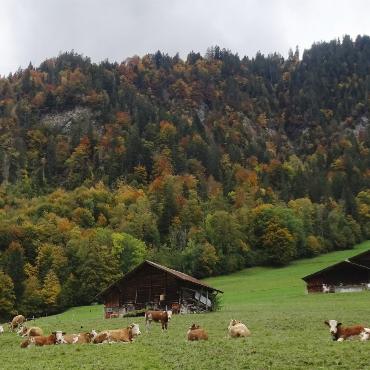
column 287, row 326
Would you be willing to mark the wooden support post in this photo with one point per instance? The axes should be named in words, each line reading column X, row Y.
column 207, row 302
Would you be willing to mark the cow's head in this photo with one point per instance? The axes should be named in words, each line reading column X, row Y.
column 333, row 326
column 59, row 339
column 169, row 314
column 93, row 334
column 233, row 322
column 365, row 334
column 135, row 330
column 194, row 327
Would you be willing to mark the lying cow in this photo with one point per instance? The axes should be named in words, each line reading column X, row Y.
column 340, row 333
column 53, row 338
column 238, row 329
column 195, row 332
column 17, row 322
column 119, row 335
column 33, row 331
column 80, row 338
column 157, row 316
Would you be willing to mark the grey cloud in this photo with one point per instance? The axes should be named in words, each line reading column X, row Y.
column 32, row 30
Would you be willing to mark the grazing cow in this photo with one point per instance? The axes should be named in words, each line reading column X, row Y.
column 119, row 335
column 238, row 329
column 33, row 331
column 51, row 339
column 157, row 316
column 17, row 322
column 81, row 338
column 340, row 333
column 1, row 329
column 195, row 332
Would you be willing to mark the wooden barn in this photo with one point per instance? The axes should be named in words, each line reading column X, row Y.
column 350, row 275
column 154, row 286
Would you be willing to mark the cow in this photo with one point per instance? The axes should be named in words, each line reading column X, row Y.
column 118, row 335
column 238, row 329
column 340, row 333
column 325, row 288
column 40, row 341
column 1, row 329
column 157, row 316
column 17, row 322
column 80, row 338
column 176, row 308
column 33, row 331
column 195, row 332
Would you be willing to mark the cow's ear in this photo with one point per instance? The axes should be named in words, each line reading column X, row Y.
column 327, row 322
column 339, row 323
column 63, row 333
column 53, row 332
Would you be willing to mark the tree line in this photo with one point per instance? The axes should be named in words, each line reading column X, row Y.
column 207, row 165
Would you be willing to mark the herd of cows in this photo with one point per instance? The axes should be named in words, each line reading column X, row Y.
column 34, row 336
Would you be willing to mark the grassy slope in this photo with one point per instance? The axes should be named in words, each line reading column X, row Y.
column 287, row 329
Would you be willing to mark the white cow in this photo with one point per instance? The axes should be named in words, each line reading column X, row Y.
column 1, row 329
column 325, row 288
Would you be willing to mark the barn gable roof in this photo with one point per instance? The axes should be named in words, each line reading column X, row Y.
column 177, row 274
column 338, row 265
column 362, row 258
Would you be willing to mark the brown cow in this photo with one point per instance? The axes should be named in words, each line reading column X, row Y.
column 157, row 316
column 340, row 333
column 51, row 339
column 195, row 332
column 176, row 308
column 118, row 335
column 17, row 322
column 34, row 331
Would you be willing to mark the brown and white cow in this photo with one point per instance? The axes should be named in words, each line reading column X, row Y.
column 80, row 338
column 157, row 316
column 40, row 341
column 118, row 335
column 16, row 322
column 238, row 329
column 195, row 332
column 340, row 333
column 33, row 331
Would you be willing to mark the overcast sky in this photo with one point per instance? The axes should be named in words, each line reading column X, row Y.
column 33, row 30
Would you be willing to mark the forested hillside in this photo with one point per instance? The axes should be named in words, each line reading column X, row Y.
column 208, row 164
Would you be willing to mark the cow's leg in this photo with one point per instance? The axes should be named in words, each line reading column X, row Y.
column 147, row 324
column 341, row 339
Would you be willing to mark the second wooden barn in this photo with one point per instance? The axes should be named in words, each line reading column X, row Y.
column 350, row 275
column 151, row 285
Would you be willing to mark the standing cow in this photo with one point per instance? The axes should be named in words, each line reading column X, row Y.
column 157, row 316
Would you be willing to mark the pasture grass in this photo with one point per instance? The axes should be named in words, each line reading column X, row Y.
column 286, row 324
